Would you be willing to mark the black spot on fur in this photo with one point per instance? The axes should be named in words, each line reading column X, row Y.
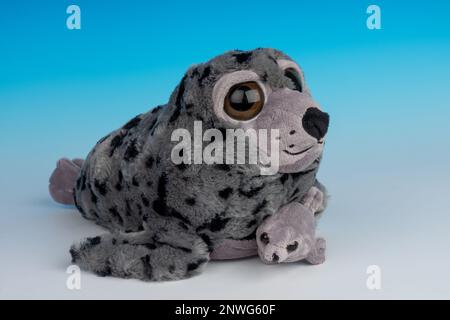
column 176, row 214
column 106, row 271
column 148, row 269
column 251, row 223
column 284, row 177
column 120, row 179
column 94, row 198
column 152, row 126
column 175, row 114
column 242, row 57
column 189, row 106
column 131, row 151
column 180, row 94
column 225, row 193
column 156, row 109
column 155, row 240
column 162, row 185
column 199, row 118
column 272, row 59
column 101, row 187
column 259, row 207
column 208, row 241
column 190, row 201
column 205, row 74
column 132, row 123
column 94, row 213
column 160, row 206
column 149, row 162
column 223, row 167
column 182, row 166
column 171, row 268
column 135, row 181
column 194, row 265
column 150, row 246
column 145, row 201
column 127, row 208
column 116, row 142
column 252, row 192
column 116, row 214
column 183, row 226
column 114, row 241
column 195, row 73
column 74, row 254
column 216, row 224
column 187, row 250
column 93, row 241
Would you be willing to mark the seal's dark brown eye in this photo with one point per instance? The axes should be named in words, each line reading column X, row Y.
column 264, row 238
column 296, row 83
column 244, row 101
column 292, row 247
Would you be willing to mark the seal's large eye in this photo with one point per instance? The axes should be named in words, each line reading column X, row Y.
column 296, row 82
column 244, row 101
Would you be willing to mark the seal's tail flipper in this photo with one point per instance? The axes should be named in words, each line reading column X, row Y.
column 63, row 179
column 141, row 255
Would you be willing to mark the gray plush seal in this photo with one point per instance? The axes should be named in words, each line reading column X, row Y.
column 166, row 220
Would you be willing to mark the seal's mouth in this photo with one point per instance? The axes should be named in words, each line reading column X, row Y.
column 298, row 153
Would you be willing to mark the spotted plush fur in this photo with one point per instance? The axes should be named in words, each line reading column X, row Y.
column 164, row 220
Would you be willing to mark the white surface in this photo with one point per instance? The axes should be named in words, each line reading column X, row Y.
column 397, row 219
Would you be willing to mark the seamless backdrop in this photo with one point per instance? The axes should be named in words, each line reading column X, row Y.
column 386, row 162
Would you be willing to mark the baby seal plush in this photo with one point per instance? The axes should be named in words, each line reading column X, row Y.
column 289, row 235
column 167, row 219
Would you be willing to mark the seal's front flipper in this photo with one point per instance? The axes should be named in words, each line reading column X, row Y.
column 63, row 179
column 235, row 249
column 317, row 254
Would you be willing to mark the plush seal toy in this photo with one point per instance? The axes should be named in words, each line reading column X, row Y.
column 289, row 235
column 167, row 219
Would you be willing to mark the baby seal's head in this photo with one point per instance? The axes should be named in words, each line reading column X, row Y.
column 283, row 237
column 258, row 89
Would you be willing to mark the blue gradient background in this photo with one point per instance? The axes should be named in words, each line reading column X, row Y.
column 387, row 155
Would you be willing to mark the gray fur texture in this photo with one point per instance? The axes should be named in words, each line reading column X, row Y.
column 165, row 220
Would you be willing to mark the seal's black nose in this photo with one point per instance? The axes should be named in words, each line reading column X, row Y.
column 275, row 257
column 315, row 123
